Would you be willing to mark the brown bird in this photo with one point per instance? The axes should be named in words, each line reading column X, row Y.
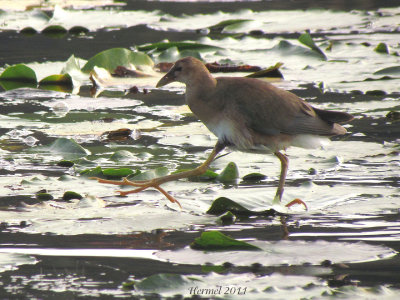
column 248, row 115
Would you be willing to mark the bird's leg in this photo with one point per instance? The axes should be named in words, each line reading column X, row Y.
column 156, row 182
column 284, row 167
column 279, row 192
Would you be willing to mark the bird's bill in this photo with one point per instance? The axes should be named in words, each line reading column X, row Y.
column 167, row 78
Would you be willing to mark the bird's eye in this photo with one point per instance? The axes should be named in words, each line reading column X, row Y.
column 178, row 69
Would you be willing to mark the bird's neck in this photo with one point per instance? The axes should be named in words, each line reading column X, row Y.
column 199, row 95
column 200, row 86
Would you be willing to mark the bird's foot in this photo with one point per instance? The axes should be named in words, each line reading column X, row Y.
column 297, row 201
column 141, row 186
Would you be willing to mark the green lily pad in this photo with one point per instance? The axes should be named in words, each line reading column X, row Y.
column 254, row 177
column 44, row 196
column 227, row 218
column 18, row 76
column 382, row 48
column 117, row 173
column 121, row 155
column 307, row 40
column 55, row 31
column 223, row 205
column 60, row 83
column 65, row 163
column 148, row 175
column 390, row 70
column 215, row 240
column 208, row 175
column 96, row 172
column 161, row 46
column 229, row 174
column 69, row 195
column 69, row 146
column 228, row 25
column 112, row 58
column 160, row 282
column 271, row 72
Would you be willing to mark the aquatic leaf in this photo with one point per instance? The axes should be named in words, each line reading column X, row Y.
column 69, row 195
column 307, row 40
column 390, row 70
column 65, row 163
column 18, row 76
column 121, row 155
column 117, row 173
column 147, row 175
column 223, row 205
column 230, row 24
column 60, row 79
column 161, row 282
column 44, row 196
column 55, row 31
column 28, row 31
column 206, row 176
column 60, row 83
column 215, row 240
column 96, row 172
column 161, row 46
column 78, row 30
column 229, row 174
column 272, row 72
column 64, row 145
column 227, row 218
column 254, row 177
column 382, row 48
column 112, row 58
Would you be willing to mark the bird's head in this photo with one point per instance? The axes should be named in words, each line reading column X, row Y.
column 184, row 70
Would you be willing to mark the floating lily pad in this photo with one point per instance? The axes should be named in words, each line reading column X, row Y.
column 68, row 146
column 112, row 58
column 229, row 174
column 69, row 195
column 18, row 76
column 215, row 240
column 307, row 40
column 147, row 175
column 122, row 155
column 382, row 48
column 161, row 46
column 55, row 31
column 160, row 282
column 227, row 24
column 271, row 72
column 117, row 173
column 254, row 177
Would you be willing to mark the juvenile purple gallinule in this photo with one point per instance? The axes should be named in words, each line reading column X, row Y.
column 248, row 115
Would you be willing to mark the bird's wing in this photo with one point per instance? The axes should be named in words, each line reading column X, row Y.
column 269, row 110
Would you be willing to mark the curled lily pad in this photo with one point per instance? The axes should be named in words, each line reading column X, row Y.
column 215, row 240
column 159, row 282
column 271, row 72
column 112, row 58
column 117, row 173
column 147, row 175
column 64, row 145
column 18, row 76
column 229, row 174
column 382, row 48
column 227, row 25
column 223, row 205
column 206, row 176
column 56, row 31
column 60, row 83
column 161, row 46
column 69, row 195
column 307, row 40
column 254, row 177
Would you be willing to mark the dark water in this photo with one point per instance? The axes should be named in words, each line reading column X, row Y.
column 345, row 246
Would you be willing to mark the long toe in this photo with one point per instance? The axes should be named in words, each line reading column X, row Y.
column 297, row 201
